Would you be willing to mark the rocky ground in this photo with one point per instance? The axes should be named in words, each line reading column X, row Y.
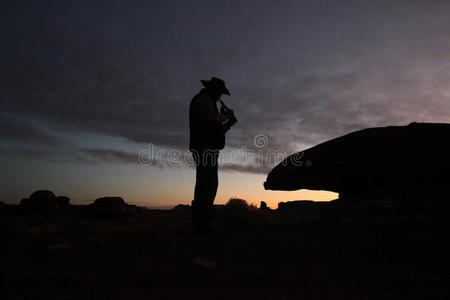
column 156, row 255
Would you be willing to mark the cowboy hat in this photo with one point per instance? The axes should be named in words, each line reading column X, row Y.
column 216, row 84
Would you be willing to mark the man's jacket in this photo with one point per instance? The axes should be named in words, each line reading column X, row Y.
column 206, row 131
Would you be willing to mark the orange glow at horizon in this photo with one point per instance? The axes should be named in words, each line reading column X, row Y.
column 231, row 184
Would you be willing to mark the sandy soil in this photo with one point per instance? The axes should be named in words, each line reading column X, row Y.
column 158, row 256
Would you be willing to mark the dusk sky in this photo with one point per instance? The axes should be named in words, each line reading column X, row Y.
column 88, row 85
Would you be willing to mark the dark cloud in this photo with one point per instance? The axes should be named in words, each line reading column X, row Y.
column 23, row 130
column 300, row 73
column 75, row 155
column 255, row 169
column 109, row 156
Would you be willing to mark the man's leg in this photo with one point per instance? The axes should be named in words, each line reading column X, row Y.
column 200, row 203
column 211, row 169
column 205, row 188
column 213, row 181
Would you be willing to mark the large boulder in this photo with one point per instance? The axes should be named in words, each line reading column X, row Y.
column 41, row 200
column 109, row 207
column 392, row 160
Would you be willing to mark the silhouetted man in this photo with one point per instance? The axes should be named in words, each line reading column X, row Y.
column 207, row 136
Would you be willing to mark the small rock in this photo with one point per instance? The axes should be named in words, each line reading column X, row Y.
column 59, row 247
column 204, row 263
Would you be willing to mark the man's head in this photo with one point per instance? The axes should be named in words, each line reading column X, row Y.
column 216, row 87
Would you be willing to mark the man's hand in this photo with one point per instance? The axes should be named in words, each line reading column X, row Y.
column 229, row 113
column 222, row 118
column 232, row 120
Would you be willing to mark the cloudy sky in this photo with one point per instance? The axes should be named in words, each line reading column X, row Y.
column 88, row 85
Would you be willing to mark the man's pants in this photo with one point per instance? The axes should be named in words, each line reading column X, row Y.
column 205, row 186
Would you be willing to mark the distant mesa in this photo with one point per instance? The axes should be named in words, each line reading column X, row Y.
column 304, row 210
column 45, row 201
column 298, row 204
column 263, row 206
column 109, row 201
column 109, row 207
column 182, row 208
column 41, row 200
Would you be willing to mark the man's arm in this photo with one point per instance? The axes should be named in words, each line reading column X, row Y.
column 231, row 121
column 206, row 110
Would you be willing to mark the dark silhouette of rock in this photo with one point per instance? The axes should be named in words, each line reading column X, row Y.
column 63, row 202
column 182, row 210
column 332, row 210
column 298, row 204
column 408, row 165
column 108, row 207
column 263, row 206
column 41, row 200
column 301, row 210
column 24, row 202
column 2, row 207
column 181, row 207
column 403, row 161
column 132, row 210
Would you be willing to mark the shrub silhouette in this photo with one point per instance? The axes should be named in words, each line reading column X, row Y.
column 239, row 212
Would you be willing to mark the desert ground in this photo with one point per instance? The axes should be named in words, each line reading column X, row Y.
column 156, row 254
